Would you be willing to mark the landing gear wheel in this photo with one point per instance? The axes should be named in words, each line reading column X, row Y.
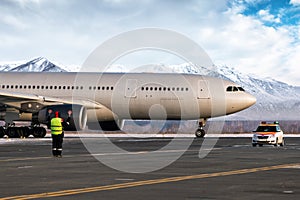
column 2, row 132
column 26, row 132
column 200, row 133
column 38, row 132
column 13, row 132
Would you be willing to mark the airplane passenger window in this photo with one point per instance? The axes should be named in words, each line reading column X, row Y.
column 81, row 87
column 16, row 87
column 111, row 88
column 20, row 86
column 3, row 86
column 11, row 87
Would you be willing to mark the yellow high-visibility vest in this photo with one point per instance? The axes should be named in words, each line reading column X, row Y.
column 56, row 126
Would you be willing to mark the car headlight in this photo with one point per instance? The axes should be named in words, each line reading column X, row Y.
column 271, row 136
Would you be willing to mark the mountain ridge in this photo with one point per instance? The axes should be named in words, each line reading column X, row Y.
column 39, row 64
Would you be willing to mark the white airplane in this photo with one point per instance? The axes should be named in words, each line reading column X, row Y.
column 110, row 98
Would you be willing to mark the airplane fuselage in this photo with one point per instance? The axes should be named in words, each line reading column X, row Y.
column 130, row 95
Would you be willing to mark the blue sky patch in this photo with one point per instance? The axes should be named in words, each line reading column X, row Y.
column 273, row 12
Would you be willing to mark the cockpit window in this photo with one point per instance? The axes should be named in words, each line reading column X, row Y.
column 229, row 89
column 241, row 89
column 234, row 89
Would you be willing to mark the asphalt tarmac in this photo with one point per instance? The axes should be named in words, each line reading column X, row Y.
column 232, row 169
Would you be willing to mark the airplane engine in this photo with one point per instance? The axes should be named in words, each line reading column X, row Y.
column 74, row 116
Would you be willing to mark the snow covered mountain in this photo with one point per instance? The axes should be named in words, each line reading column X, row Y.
column 39, row 64
column 275, row 100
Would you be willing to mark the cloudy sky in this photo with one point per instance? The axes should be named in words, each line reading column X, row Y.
column 253, row 36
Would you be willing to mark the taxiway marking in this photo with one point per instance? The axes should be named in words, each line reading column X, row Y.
column 148, row 182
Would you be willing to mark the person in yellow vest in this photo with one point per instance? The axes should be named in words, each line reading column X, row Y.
column 57, row 134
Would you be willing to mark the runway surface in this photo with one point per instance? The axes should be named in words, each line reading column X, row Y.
column 233, row 169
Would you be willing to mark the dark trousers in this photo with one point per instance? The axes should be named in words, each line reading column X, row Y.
column 57, row 141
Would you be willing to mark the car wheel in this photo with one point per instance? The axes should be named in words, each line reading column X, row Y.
column 254, row 144
column 276, row 144
column 260, row 145
column 282, row 143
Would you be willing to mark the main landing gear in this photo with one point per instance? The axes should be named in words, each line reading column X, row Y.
column 200, row 132
column 13, row 131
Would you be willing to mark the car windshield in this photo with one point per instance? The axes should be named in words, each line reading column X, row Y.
column 267, row 129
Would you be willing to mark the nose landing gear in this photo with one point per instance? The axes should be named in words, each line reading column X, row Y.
column 200, row 132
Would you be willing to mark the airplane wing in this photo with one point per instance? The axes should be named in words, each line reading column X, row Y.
column 15, row 99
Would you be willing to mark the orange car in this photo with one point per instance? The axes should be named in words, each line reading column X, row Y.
column 268, row 133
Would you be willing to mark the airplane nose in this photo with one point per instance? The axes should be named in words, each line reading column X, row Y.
column 243, row 101
column 250, row 100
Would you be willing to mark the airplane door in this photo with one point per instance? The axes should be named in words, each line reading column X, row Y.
column 130, row 90
column 203, row 91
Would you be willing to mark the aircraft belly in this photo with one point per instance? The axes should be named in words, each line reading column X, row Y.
column 205, row 108
column 104, row 114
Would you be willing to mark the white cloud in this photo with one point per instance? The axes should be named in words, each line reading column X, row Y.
column 295, row 2
column 13, row 21
column 266, row 16
column 247, row 44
